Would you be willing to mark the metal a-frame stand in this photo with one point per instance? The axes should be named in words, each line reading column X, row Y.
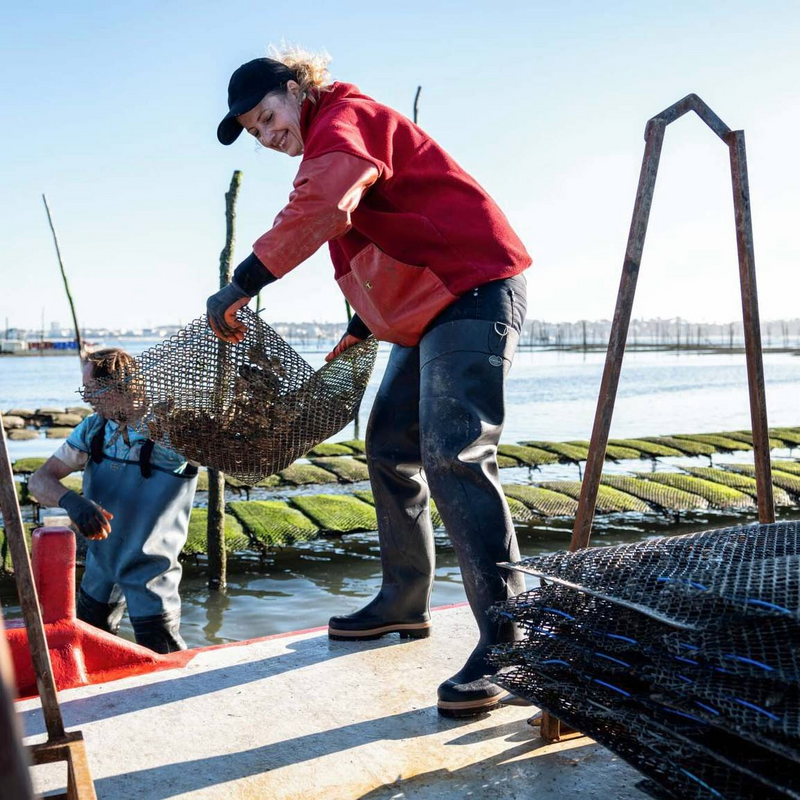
column 61, row 745
column 654, row 139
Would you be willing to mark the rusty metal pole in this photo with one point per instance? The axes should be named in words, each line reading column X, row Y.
column 752, row 326
column 582, row 530
column 15, row 779
column 654, row 137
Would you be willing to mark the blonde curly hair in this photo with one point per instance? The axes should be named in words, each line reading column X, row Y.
column 310, row 68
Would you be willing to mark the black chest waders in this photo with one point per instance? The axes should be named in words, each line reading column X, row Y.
column 139, row 559
column 433, row 433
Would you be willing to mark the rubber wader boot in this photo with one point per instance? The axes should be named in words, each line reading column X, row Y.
column 400, row 607
column 105, row 616
column 160, row 633
column 464, row 364
column 472, row 691
column 402, row 504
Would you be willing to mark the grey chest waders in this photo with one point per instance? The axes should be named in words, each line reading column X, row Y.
column 139, row 559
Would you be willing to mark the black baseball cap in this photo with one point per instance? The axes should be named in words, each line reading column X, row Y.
column 247, row 88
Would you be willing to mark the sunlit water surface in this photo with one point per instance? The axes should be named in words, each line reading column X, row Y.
column 551, row 395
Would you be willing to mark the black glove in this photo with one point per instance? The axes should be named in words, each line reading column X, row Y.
column 358, row 328
column 86, row 514
column 221, row 309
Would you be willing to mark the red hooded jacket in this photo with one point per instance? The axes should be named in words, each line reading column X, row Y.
column 409, row 230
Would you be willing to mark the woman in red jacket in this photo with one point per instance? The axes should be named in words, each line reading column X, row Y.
column 430, row 263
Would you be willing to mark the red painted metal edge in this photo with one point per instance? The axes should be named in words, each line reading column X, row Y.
column 81, row 654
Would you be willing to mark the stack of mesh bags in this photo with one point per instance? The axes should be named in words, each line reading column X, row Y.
column 680, row 654
column 248, row 409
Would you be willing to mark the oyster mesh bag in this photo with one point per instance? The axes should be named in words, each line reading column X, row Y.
column 248, row 409
column 680, row 654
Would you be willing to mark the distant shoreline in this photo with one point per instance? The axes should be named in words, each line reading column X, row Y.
column 700, row 349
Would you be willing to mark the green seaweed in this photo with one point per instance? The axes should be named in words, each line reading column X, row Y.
column 792, row 467
column 331, row 449
column 651, row 449
column 718, row 496
column 659, row 495
column 336, row 512
column 789, row 435
column 197, row 541
column 529, row 456
column 542, row 502
column 613, row 453
column 723, row 443
column 73, row 483
column 783, row 480
column 25, row 466
column 357, row 445
column 436, row 517
column 567, row 453
column 348, row 470
column 519, row 511
column 688, row 446
column 747, row 438
column 609, row 500
column 737, row 480
column 273, row 523
column 366, row 496
column 23, row 497
column 5, row 554
column 304, row 474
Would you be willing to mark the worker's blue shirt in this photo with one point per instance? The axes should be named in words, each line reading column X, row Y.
column 115, row 446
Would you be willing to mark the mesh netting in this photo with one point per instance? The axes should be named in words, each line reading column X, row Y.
column 681, row 654
column 249, row 409
column 686, row 579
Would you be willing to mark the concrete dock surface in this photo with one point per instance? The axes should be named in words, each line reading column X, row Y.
column 299, row 716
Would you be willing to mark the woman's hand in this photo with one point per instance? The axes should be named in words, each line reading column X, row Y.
column 221, row 309
column 346, row 342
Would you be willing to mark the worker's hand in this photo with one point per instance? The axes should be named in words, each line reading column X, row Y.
column 221, row 309
column 92, row 520
column 346, row 342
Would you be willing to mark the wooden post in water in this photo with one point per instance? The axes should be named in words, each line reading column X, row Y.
column 78, row 338
column 215, row 531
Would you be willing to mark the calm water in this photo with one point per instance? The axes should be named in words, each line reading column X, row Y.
column 551, row 395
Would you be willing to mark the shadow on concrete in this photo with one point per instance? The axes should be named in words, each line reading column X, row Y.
column 176, row 779
column 520, row 772
column 173, row 686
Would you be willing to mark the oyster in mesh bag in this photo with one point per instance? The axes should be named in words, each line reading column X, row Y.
column 248, row 409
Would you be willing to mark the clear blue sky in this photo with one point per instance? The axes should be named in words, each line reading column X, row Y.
column 111, row 109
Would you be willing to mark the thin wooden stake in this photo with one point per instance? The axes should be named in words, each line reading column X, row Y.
column 78, row 339
column 215, row 530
